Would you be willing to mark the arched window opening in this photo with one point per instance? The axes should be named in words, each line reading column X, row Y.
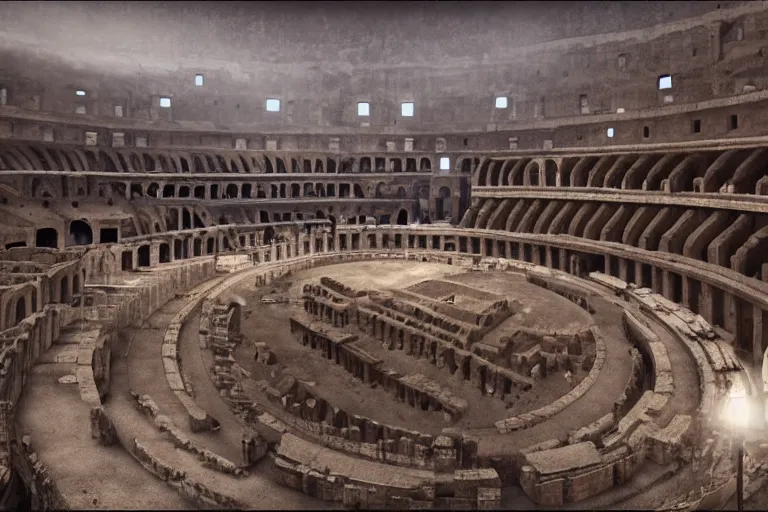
column 47, row 237
column 281, row 166
column 331, row 165
column 186, row 219
column 200, row 192
column 232, row 191
column 21, row 310
column 263, row 217
column 80, row 233
column 153, row 189
column 136, row 190
column 295, row 190
column 246, row 192
column 198, row 222
column 197, row 247
column 149, row 163
column 318, row 165
column 426, row 165
column 169, row 191
column 402, row 218
column 144, row 260
column 177, row 249
column 75, row 284
column 268, row 166
column 184, row 191
column 165, row 253
column 210, row 246
column 269, row 235
column 358, row 191
column 64, row 288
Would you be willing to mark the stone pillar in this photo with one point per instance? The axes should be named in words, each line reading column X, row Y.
column 757, row 336
column 548, row 257
column 325, row 243
column 336, row 242
column 495, row 248
column 483, row 248
column 442, row 242
column 639, row 273
column 687, row 292
column 154, row 254
column 667, row 285
column 624, row 270
column 273, row 252
column 312, row 238
column 563, row 260
column 607, row 262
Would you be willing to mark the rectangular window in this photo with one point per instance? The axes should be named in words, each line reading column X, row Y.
column 165, row 102
column 734, row 124
column 118, row 111
column 609, row 132
column 646, row 132
column 665, row 82
column 80, row 109
column 141, row 141
column 241, row 144
column 501, row 102
column 273, row 105
column 620, row 110
column 91, row 138
column 406, row 109
column 697, row 126
column 363, row 109
column 48, row 134
column 199, row 80
column 118, row 139
column 445, row 163
column 80, row 93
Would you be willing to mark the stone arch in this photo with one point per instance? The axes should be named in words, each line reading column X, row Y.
column 532, row 174
column 550, row 173
column 20, row 310
column 80, row 233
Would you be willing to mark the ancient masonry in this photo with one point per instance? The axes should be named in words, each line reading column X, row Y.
column 400, row 259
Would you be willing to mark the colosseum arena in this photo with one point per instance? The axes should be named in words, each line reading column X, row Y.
column 375, row 255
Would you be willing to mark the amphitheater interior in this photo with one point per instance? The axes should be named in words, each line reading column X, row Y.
column 376, row 255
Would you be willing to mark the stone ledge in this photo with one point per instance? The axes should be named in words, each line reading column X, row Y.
column 180, row 481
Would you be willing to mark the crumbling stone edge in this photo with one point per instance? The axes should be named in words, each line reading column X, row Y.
column 165, row 424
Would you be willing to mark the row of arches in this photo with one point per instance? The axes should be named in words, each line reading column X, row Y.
column 79, row 233
column 216, row 191
column 16, row 155
column 737, row 171
column 730, row 239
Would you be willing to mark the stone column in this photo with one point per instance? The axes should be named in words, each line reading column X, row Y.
column 548, row 257
column 495, row 248
column 639, row 273
column 442, row 242
column 325, row 242
column 667, row 285
column 757, row 336
column 312, row 238
column 624, row 270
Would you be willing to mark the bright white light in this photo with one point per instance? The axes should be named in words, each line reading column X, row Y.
column 363, row 109
column 406, row 109
column 665, row 82
column 620, row 110
column 273, row 105
column 445, row 163
column 199, row 80
column 165, row 102
column 501, row 102
column 736, row 411
column 80, row 93
column 609, row 132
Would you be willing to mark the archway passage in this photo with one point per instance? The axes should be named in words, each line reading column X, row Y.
column 21, row 310
column 443, row 203
column 269, row 235
column 80, row 233
column 402, row 218
column 47, row 237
